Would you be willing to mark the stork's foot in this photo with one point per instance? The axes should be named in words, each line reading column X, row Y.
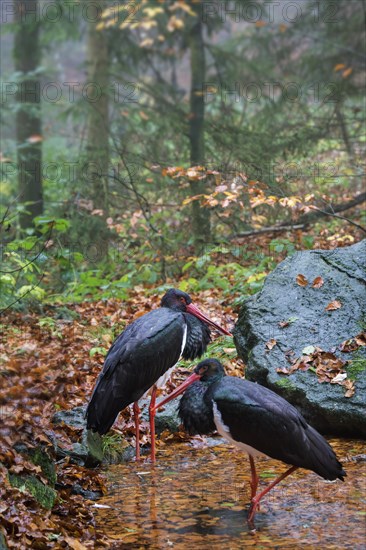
column 254, row 506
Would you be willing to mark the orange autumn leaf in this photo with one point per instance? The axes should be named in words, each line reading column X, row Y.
column 271, row 343
column 350, row 388
column 301, row 280
column 347, row 72
column 361, row 339
column 336, row 304
column 352, row 344
column 318, row 282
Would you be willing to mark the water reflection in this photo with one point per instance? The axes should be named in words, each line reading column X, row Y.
column 200, row 497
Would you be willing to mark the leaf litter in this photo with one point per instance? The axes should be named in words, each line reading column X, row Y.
column 47, row 367
column 326, row 365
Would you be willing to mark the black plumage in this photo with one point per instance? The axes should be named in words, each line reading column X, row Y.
column 257, row 420
column 144, row 352
column 138, row 357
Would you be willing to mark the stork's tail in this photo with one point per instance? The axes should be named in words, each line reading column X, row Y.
column 325, row 462
column 103, row 408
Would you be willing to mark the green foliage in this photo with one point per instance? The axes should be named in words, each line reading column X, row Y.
column 26, row 263
column 279, row 246
column 51, row 325
column 357, row 366
column 288, row 146
column 98, row 349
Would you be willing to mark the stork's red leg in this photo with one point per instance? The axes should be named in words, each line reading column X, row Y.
column 256, row 499
column 255, row 479
column 152, row 412
column 136, row 413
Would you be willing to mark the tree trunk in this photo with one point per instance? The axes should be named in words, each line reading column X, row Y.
column 344, row 131
column 98, row 117
column 27, row 57
column 201, row 216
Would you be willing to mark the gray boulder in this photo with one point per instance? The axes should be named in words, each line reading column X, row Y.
column 295, row 318
column 91, row 449
column 165, row 418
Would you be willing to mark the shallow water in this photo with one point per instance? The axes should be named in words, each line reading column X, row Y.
column 198, row 493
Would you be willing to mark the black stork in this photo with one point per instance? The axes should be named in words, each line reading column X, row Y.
column 254, row 419
column 142, row 357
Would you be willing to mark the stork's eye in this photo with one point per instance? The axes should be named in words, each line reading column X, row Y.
column 183, row 300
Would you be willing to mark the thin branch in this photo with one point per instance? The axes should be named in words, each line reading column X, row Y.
column 327, row 213
column 23, row 295
column 305, row 220
column 272, row 229
column 331, row 210
column 35, row 257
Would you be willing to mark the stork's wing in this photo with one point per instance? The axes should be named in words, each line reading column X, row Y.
column 265, row 421
column 148, row 347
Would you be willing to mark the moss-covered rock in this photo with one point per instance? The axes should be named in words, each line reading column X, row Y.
column 43, row 494
column 92, row 449
column 40, row 457
column 310, row 324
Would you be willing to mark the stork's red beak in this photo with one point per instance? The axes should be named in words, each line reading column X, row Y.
column 179, row 390
column 197, row 313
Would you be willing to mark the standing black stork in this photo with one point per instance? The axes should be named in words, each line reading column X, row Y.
column 254, row 419
column 142, row 357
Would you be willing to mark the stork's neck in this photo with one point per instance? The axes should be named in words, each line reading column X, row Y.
column 198, row 337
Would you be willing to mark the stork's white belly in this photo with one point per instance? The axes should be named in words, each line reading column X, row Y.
column 224, row 431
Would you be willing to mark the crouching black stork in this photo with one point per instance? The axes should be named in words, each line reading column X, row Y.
column 142, row 357
column 256, row 420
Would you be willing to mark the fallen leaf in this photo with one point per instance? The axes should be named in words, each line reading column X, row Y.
column 271, row 343
column 339, row 378
column 283, row 370
column 350, row 387
column 361, row 338
column 351, row 344
column 308, row 350
column 336, row 304
column 301, row 280
column 75, row 544
column 318, row 282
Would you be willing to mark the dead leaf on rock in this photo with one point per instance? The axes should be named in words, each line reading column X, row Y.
column 354, row 343
column 301, row 280
column 283, row 370
column 350, row 387
column 361, row 338
column 336, row 304
column 271, row 343
column 327, row 366
column 318, row 282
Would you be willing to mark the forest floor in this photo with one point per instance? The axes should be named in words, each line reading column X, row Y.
column 50, row 360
